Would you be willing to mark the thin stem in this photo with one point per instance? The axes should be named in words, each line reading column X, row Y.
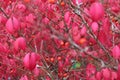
column 4, row 13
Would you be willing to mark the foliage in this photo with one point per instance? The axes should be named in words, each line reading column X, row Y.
column 59, row 40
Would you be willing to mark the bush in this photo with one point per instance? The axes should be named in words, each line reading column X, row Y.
column 59, row 40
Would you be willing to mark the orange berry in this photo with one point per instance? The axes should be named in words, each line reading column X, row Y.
column 67, row 43
column 62, row 43
column 82, row 40
column 10, row 1
column 26, row 1
column 51, row 1
column 65, row 74
column 47, row 59
column 62, row 3
column 52, row 59
column 59, row 58
column 33, row 36
column 12, row 71
column 90, row 43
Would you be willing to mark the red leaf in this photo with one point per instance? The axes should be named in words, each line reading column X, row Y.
column 12, row 25
column 30, row 61
column 96, row 11
column 20, row 43
column 116, row 52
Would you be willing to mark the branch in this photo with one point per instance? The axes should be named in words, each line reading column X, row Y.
column 4, row 13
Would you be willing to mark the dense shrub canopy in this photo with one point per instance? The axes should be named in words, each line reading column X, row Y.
column 59, row 40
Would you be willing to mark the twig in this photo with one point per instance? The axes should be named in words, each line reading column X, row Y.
column 4, row 13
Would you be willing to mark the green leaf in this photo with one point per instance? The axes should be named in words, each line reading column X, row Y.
column 76, row 65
